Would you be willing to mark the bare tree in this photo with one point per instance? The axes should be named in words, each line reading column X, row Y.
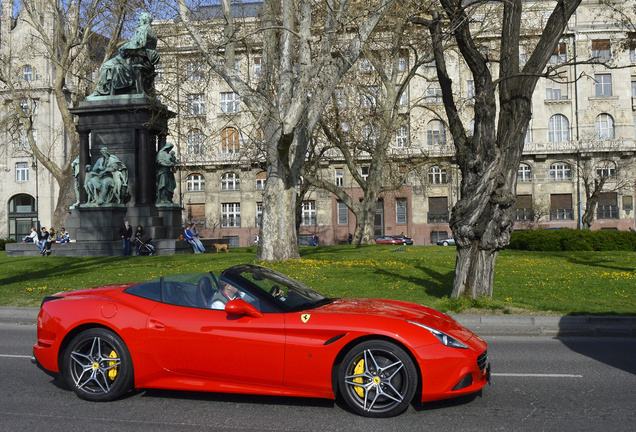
column 67, row 35
column 367, row 135
column 483, row 218
column 307, row 46
column 602, row 170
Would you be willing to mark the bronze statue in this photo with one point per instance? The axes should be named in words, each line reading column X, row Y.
column 166, row 182
column 107, row 181
column 132, row 71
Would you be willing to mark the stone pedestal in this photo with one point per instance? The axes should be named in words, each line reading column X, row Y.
column 133, row 128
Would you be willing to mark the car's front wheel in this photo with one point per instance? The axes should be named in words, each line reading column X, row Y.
column 97, row 365
column 377, row 379
column 445, row 244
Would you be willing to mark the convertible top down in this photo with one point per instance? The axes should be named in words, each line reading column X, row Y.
column 170, row 333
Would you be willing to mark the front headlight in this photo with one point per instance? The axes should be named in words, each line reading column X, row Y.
column 445, row 339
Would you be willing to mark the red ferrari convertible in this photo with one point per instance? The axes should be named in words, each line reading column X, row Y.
column 253, row 330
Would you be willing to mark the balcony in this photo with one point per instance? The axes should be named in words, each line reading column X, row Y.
column 438, row 217
column 607, row 212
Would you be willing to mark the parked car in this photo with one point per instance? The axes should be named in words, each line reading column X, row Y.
column 167, row 333
column 389, row 240
column 446, row 242
column 405, row 240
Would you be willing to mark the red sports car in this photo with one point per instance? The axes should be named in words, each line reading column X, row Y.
column 389, row 240
column 254, row 330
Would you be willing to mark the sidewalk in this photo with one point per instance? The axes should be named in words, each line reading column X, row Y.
column 483, row 325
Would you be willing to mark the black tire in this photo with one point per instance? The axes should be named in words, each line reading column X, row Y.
column 377, row 379
column 445, row 244
column 97, row 365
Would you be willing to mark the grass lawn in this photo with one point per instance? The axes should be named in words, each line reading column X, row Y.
column 525, row 282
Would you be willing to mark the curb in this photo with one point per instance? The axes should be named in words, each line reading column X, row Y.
column 483, row 325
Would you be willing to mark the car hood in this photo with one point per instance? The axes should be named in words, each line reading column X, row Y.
column 400, row 310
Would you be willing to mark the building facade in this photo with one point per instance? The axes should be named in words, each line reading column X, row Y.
column 583, row 128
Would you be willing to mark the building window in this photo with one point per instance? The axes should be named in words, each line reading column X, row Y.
column 195, row 71
column 230, row 182
column 257, row 67
column 22, row 216
column 470, row 89
column 437, row 209
column 196, row 142
column 402, row 137
column 343, row 214
column 601, row 49
column 402, row 64
column 436, row 175
column 524, row 173
column 230, row 215
column 632, row 53
column 364, row 172
column 400, row 211
column 28, row 110
column 628, row 202
column 560, row 171
column 339, row 177
column 369, row 96
column 308, row 216
column 195, row 104
column 230, row 140
column 261, row 180
column 556, row 90
column 158, row 71
column 259, row 214
column 558, row 128
column 24, row 141
column 22, row 171
column 436, row 133
column 29, row 74
column 561, row 207
column 195, row 183
column 602, row 85
column 402, row 98
column 196, row 214
column 607, row 206
column 606, row 169
column 230, row 102
column 559, row 54
column 369, row 134
column 604, row 126
column 523, row 208
column 434, row 94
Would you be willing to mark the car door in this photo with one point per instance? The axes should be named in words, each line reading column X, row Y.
column 216, row 345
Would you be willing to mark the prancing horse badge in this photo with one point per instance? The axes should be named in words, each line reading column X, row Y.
column 305, row 317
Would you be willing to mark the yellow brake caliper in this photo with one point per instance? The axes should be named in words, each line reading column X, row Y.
column 358, row 371
column 112, row 373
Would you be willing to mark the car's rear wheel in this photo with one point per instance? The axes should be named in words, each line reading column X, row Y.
column 97, row 365
column 377, row 379
column 445, row 244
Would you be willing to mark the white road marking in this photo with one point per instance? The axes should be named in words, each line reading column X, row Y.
column 15, row 356
column 537, row 375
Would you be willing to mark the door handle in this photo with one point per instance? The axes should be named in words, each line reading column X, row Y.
column 156, row 325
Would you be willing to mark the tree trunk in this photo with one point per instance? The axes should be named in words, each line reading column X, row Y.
column 474, row 271
column 65, row 199
column 279, row 238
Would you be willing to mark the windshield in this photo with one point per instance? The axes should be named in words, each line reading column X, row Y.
column 289, row 292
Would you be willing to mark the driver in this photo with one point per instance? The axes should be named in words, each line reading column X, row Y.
column 225, row 294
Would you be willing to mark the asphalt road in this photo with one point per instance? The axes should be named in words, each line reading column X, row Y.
column 539, row 383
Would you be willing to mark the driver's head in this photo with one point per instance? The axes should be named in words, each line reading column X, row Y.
column 229, row 289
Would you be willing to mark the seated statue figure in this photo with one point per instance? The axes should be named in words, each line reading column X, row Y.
column 107, row 180
column 132, row 71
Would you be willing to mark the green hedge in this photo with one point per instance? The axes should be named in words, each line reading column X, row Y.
column 4, row 241
column 573, row 240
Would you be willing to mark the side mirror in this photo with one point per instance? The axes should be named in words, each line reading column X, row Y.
column 241, row 307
